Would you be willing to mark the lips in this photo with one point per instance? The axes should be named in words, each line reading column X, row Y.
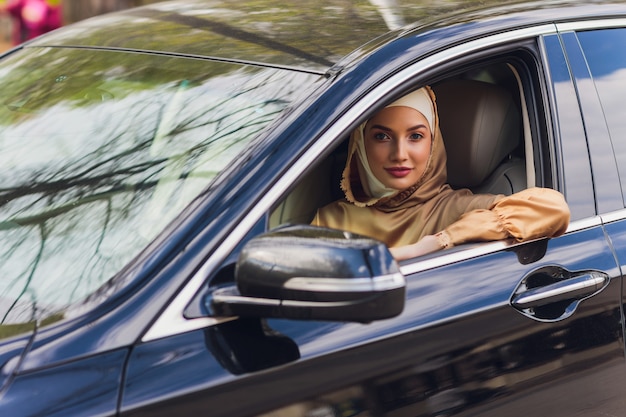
column 399, row 172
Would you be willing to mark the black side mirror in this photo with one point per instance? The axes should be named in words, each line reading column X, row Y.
column 312, row 273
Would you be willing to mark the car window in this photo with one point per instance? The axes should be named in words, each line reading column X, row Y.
column 499, row 166
column 100, row 150
column 605, row 53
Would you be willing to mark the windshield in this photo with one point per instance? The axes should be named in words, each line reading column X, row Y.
column 99, row 150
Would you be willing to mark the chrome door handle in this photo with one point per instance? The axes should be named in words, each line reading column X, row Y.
column 573, row 288
column 552, row 293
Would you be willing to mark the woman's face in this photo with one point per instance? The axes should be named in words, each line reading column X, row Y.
column 397, row 143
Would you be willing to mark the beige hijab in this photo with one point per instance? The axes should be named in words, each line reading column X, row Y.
column 401, row 217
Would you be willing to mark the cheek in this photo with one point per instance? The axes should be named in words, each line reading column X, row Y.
column 422, row 153
column 376, row 153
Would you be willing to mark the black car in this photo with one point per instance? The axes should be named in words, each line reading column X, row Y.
column 160, row 167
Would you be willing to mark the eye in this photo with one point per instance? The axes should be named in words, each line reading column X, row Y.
column 380, row 136
column 416, row 136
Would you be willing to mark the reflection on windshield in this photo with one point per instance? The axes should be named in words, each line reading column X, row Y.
column 100, row 150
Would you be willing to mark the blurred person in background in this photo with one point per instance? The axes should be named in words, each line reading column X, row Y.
column 32, row 18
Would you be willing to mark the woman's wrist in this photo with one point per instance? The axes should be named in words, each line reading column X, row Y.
column 444, row 239
column 426, row 245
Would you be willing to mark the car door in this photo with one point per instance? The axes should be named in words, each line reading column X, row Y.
column 459, row 346
column 488, row 329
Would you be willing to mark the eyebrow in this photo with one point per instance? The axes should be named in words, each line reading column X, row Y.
column 386, row 129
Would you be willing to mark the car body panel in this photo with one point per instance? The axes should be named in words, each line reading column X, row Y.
column 11, row 353
column 616, row 231
column 89, row 387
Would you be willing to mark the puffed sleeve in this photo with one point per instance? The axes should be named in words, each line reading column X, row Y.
column 529, row 214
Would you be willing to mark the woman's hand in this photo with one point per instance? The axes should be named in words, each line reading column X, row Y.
column 425, row 245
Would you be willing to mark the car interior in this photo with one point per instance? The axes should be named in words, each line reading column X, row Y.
column 485, row 131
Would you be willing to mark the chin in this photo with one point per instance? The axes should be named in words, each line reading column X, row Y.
column 399, row 187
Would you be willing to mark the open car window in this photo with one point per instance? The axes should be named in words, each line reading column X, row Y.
column 485, row 128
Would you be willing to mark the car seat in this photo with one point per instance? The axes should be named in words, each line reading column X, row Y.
column 482, row 128
column 316, row 189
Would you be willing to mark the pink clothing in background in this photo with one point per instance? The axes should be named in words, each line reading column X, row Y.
column 33, row 18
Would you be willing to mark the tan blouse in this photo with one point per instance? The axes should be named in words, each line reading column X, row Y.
column 530, row 214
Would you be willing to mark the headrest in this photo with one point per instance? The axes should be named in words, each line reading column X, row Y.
column 481, row 126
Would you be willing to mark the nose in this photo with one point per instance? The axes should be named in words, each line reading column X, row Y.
column 398, row 151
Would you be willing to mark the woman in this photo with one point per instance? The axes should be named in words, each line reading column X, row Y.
column 395, row 190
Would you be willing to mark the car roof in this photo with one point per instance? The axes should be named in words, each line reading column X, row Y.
column 306, row 36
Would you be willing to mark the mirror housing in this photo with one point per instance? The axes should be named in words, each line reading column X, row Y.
column 312, row 273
